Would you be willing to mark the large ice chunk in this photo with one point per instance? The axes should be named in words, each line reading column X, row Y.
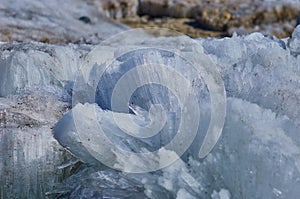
column 256, row 156
column 34, row 66
column 261, row 70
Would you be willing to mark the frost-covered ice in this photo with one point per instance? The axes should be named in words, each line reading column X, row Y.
column 256, row 157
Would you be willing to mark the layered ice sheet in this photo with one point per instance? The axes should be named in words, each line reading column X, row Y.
column 29, row 155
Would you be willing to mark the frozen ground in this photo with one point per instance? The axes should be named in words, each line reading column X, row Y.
column 221, row 17
column 54, row 22
column 257, row 155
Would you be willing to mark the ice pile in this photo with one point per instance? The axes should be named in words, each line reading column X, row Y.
column 261, row 70
column 258, row 154
column 256, row 157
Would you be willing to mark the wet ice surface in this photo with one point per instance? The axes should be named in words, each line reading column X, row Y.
column 256, row 157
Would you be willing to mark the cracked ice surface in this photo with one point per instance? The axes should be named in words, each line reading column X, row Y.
column 256, row 157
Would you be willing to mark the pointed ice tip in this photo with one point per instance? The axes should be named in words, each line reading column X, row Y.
column 130, row 106
column 138, row 110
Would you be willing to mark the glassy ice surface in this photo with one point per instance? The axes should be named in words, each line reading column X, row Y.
column 256, row 157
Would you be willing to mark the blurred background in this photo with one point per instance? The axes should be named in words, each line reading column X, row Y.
column 90, row 21
column 207, row 18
